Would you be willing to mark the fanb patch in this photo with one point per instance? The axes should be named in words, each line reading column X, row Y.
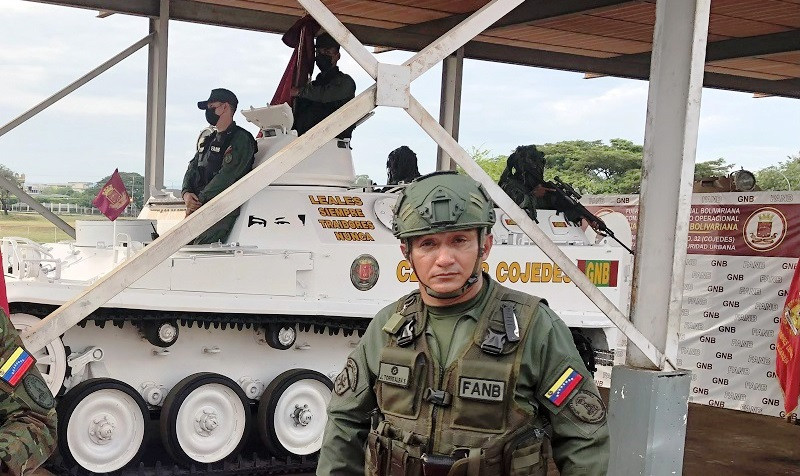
column 481, row 389
column 588, row 407
column 394, row 374
column 38, row 391
column 347, row 378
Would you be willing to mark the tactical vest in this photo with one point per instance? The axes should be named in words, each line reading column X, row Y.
column 210, row 154
column 465, row 415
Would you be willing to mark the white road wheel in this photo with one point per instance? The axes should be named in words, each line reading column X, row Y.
column 101, row 425
column 205, row 419
column 51, row 360
column 292, row 412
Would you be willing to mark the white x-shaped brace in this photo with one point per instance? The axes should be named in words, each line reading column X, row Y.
column 392, row 89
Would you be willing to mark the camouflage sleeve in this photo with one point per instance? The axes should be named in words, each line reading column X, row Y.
column 353, row 400
column 237, row 161
column 341, row 89
column 190, row 177
column 27, row 408
column 567, row 395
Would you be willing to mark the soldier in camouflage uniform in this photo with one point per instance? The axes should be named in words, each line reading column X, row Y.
column 463, row 376
column 223, row 156
column 27, row 408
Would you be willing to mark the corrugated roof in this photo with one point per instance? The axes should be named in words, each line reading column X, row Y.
column 753, row 45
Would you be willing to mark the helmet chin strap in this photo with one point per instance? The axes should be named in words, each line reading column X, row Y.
column 473, row 278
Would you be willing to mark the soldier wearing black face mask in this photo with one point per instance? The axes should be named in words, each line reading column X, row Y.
column 328, row 92
column 223, row 157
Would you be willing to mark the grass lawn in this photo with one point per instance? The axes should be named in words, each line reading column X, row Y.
column 37, row 228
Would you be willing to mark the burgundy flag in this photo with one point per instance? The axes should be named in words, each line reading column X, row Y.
column 788, row 346
column 113, row 197
column 300, row 37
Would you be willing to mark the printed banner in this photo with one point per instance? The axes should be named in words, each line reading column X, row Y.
column 742, row 254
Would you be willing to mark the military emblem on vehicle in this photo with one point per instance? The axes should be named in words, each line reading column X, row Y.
column 364, row 272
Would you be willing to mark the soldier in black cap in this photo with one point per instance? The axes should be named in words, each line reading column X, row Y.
column 328, row 92
column 223, row 157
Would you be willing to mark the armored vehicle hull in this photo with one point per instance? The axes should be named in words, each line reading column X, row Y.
column 235, row 346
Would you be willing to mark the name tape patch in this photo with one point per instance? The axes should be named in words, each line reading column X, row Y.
column 394, row 374
column 481, row 389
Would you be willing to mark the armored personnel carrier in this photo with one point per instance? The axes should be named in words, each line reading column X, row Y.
column 234, row 346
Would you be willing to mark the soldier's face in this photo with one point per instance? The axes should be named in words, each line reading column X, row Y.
column 444, row 261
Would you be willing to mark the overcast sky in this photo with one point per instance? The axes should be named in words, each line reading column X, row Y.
column 101, row 126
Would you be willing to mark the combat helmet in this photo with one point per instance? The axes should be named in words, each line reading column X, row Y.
column 443, row 202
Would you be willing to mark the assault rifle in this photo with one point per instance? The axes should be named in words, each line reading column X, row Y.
column 569, row 197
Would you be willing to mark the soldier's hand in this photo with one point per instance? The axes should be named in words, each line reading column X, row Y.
column 191, row 201
column 540, row 191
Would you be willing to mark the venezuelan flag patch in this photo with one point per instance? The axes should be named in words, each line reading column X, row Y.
column 564, row 386
column 15, row 367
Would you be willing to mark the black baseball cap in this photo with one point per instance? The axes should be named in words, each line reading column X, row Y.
column 325, row 40
column 221, row 95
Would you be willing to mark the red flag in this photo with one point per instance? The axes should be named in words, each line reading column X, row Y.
column 787, row 363
column 113, row 197
column 300, row 37
column 3, row 295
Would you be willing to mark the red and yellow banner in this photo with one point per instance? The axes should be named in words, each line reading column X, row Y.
column 113, row 197
column 787, row 364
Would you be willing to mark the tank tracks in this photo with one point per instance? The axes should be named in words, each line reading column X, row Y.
column 119, row 316
column 242, row 466
column 258, row 463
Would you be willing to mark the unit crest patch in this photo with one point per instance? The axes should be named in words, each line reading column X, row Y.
column 38, row 391
column 347, row 378
column 588, row 407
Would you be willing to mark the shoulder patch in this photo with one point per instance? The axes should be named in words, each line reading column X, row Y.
column 15, row 365
column 564, row 386
column 588, row 407
column 347, row 378
column 228, row 159
column 38, row 391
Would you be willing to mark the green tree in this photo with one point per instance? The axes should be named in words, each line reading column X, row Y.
column 784, row 176
column 6, row 199
column 712, row 168
column 491, row 164
column 595, row 167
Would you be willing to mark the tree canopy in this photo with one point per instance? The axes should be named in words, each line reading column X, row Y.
column 595, row 167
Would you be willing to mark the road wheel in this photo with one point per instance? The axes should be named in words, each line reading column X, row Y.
column 101, row 425
column 205, row 419
column 292, row 412
column 51, row 360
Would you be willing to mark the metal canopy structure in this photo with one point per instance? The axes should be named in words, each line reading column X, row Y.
column 753, row 45
column 683, row 56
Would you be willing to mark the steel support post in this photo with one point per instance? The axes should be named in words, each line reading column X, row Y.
column 33, row 203
column 647, row 421
column 72, row 312
column 450, row 103
column 155, row 131
column 670, row 141
column 647, row 416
